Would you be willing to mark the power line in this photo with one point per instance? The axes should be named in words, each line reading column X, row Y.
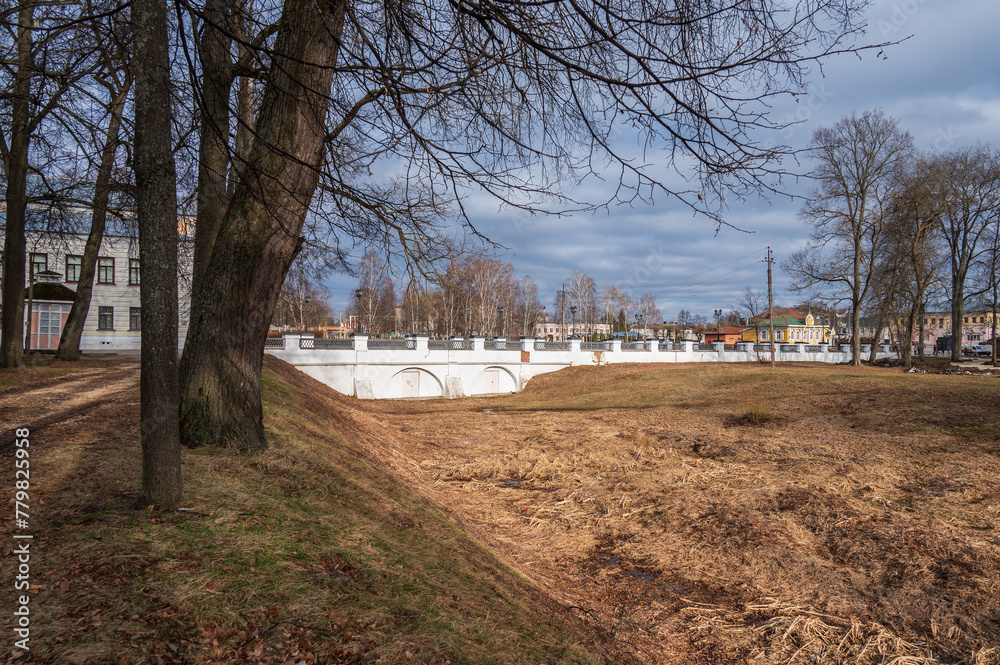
column 708, row 270
column 743, row 270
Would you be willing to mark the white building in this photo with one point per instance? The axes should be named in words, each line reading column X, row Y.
column 559, row 332
column 55, row 242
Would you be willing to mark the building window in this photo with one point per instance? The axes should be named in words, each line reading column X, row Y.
column 73, row 266
column 135, row 318
column 133, row 273
column 39, row 263
column 973, row 338
column 105, row 270
column 105, row 318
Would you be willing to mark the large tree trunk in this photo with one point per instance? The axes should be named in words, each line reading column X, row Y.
column 957, row 311
column 906, row 344
column 12, row 321
column 856, row 297
column 876, row 338
column 259, row 236
column 213, row 157
column 157, row 214
column 69, row 341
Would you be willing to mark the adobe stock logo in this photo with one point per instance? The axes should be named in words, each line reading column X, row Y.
column 902, row 12
column 816, row 99
column 657, row 259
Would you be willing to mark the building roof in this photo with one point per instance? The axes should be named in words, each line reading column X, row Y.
column 50, row 291
column 59, row 205
column 785, row 320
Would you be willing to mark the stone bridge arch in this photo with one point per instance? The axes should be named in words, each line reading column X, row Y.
column 413, row 382
column 495, row 379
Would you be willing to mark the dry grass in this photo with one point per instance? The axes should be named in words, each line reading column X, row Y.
column 754, row 410
column 850, row 516
column 309, row 552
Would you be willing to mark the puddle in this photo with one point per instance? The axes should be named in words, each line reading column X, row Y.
column 649, row 578
column 605, row 559
column 511, row 484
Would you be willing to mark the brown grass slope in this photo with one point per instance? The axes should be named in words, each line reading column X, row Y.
column 310, row 552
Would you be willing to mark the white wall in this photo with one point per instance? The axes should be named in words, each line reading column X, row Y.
column 433, row 372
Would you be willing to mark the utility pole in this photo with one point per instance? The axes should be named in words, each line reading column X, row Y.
column 770, row 303
column 562, row 306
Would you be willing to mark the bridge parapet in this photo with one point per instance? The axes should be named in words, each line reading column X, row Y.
column 420, row 367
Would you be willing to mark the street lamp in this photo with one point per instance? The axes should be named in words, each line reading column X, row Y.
column 305, row 323
column 357, row 294
column 572, row 330
column 500, row 313
column 718, row 326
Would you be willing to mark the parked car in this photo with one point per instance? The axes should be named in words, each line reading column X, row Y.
column 980, row 350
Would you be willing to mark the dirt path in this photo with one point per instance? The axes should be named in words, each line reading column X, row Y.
column 40, row 403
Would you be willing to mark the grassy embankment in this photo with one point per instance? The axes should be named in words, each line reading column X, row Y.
column 310, row 552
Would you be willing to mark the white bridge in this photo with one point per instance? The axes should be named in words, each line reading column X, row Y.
column 419, row 367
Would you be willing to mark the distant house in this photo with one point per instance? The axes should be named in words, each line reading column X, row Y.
column 725, row 334
column 977, row 326
column 56, row 235
column 790, row 327
column 551, row 331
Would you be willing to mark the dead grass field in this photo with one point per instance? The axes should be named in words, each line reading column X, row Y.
column 665, row 514
column 859, row 522
column 311, row 552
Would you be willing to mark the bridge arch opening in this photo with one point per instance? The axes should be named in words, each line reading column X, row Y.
column 412, row 382
column 494, row 379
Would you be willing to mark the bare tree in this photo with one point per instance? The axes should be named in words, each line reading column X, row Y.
column 416, row 305
column 43, row 61
column 617, row 306
column 529, row 307
column 988, row 278
column 857, row 160
column 581, row 293
column 750, row 306
column 647, row 309
column 375, row 308
column 489, row 284
column 912, row 250
column 157, row 213
column 112, row 79
column 966, row 186
column 303, row 301
column 497, row 98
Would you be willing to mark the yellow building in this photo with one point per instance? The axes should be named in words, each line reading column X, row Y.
column 789, row 328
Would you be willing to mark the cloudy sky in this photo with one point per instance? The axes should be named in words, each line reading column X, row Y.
column 942, row 84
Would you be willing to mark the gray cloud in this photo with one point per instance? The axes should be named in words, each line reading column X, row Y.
column 942, row 85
